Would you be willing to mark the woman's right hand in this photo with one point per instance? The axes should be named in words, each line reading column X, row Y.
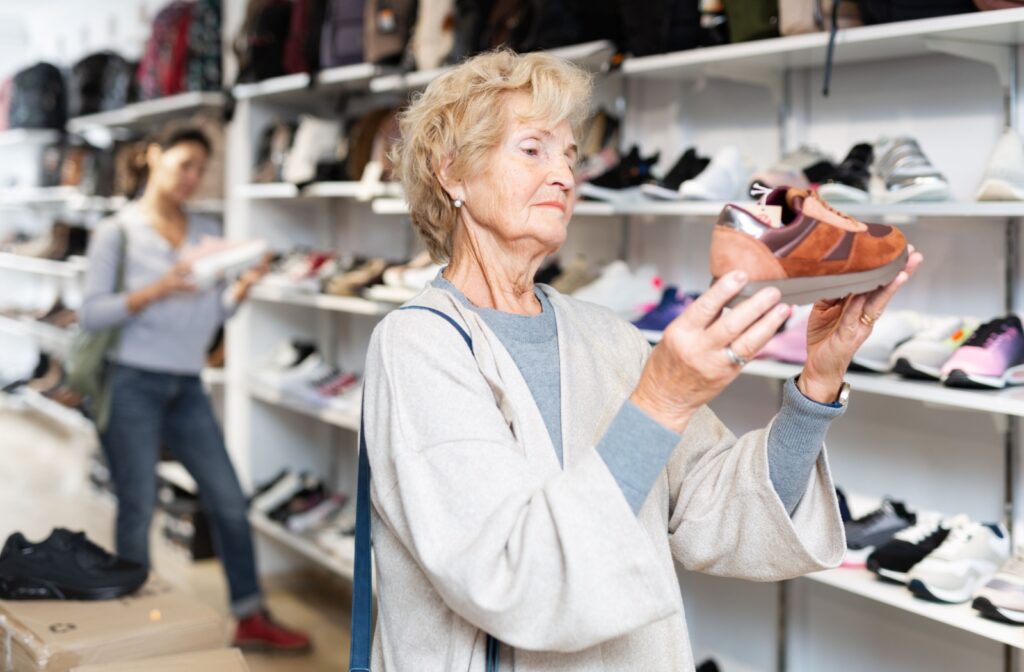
column 691, row 364
column 175, row 281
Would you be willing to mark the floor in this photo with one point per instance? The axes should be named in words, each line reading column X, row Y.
column 43, row 470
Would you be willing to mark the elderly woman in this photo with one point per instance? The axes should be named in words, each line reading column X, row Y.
column 535, row 479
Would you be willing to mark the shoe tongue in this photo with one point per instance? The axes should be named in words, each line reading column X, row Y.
column 814, row 208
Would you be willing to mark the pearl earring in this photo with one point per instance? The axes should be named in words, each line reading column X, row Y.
column 458, row 203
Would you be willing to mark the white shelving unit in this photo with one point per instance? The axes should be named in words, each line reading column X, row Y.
column 341, row 565
column 50, row 339
column 330, row 217
column 23, row 136
column 72, row 268
column 346, row 419
column 149, row 112
column 960, row 616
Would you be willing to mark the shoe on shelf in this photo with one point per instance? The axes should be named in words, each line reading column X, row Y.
column 317, row 516
column 301, row 271
column 621, row 183
column 349, row 283
column 893, row 560
column 879, row 526
column 800, row 168
column 851, row 181
column 65, row 566
column 993, row 357
column 963, row 563
column 628, row 293
column 671, row 306
column 1004, row 174
column 906, row 175
column 789, row 345
column 724, row 179
column 576, row 274
column 892, row 330
column 1002, row 598
column 687, row 167
column 260, row 632
column 290, row 358
column 922, row 356
column 280, row 492
column 817, row 253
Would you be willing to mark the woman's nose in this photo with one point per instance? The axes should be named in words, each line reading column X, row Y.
column 562, row 176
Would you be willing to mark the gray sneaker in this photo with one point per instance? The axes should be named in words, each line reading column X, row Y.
column 879, row 526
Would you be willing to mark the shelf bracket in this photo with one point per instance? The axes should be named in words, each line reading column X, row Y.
column 773, row 80
column 1002, row 58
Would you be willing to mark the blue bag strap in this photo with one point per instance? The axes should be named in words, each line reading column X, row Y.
column 362, row 589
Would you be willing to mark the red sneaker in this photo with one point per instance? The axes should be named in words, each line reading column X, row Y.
column 259, row 633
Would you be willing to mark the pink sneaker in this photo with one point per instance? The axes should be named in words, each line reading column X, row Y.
column 789, row 345
column 992, row 358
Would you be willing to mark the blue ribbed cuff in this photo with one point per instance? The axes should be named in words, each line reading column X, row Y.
column 636, row 449
column 795, row 441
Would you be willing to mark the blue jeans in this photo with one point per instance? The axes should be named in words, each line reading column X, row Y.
column 149, row 410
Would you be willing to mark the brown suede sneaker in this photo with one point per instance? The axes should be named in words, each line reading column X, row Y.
column 817, row 253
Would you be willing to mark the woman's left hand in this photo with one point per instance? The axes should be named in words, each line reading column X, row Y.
column 251, row 277
column 836, row 329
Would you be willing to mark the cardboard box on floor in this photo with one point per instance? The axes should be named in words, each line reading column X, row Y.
column 224, row 660
column 56, row 636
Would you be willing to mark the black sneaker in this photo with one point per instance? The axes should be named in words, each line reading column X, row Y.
column 689, row 166
column 893, row 560
column 851, row 181
column 66, row 566
column 621, row 182
column 879, row 526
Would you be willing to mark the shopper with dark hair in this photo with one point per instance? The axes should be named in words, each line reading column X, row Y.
column 157, row 400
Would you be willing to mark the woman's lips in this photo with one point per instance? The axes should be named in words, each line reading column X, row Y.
column 552, row 204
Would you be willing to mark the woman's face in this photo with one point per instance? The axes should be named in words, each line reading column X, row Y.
column 525, row 194
column 177, row 171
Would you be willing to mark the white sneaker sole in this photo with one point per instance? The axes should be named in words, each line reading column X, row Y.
column 834, row 192
column 619, row 196
column 661, row 193
column 994, row 189
column 925, row 591
column 935, row 191
column 960, row 378
column 899, row 577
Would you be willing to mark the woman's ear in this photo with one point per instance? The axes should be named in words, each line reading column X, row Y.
column 153, row 154
column 453, row 187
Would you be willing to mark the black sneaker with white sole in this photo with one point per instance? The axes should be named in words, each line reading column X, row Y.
column 66, row 566
column 894, row 559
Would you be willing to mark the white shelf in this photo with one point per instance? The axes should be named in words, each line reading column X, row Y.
column 283, row 190
column 1007, row 402
column 50, row 339
column 891, row 41
column 342, row 304
column 342, row 565
column 960, row 616
column 332, row 416
column 295, row 88
column 37, row 195
column 28, row 136
column 899, row 213
column 150, row 112
column 72, row 268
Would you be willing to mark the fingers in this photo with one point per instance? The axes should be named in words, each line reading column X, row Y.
column 754, row 338
column 728, row 327
column 849, row 321
column 710, row 304
column 879, row 299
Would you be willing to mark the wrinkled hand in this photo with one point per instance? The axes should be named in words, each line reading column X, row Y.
column 691, row 365
column 836, row 329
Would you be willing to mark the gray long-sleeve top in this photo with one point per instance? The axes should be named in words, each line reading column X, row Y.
column 170, row 335
column 635, row 447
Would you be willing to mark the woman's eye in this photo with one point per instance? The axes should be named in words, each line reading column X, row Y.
column 531, row 151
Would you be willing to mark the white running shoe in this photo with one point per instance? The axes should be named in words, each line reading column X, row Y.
column 1002, row 598
column 282, row 491
column 891, row 330
column 923, row 355
column 1004, row 174
column 215, row 258
column 723, row 180
column 627, row 293
column 970, row 556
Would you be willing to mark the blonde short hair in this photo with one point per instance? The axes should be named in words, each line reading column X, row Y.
column 462, row 116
